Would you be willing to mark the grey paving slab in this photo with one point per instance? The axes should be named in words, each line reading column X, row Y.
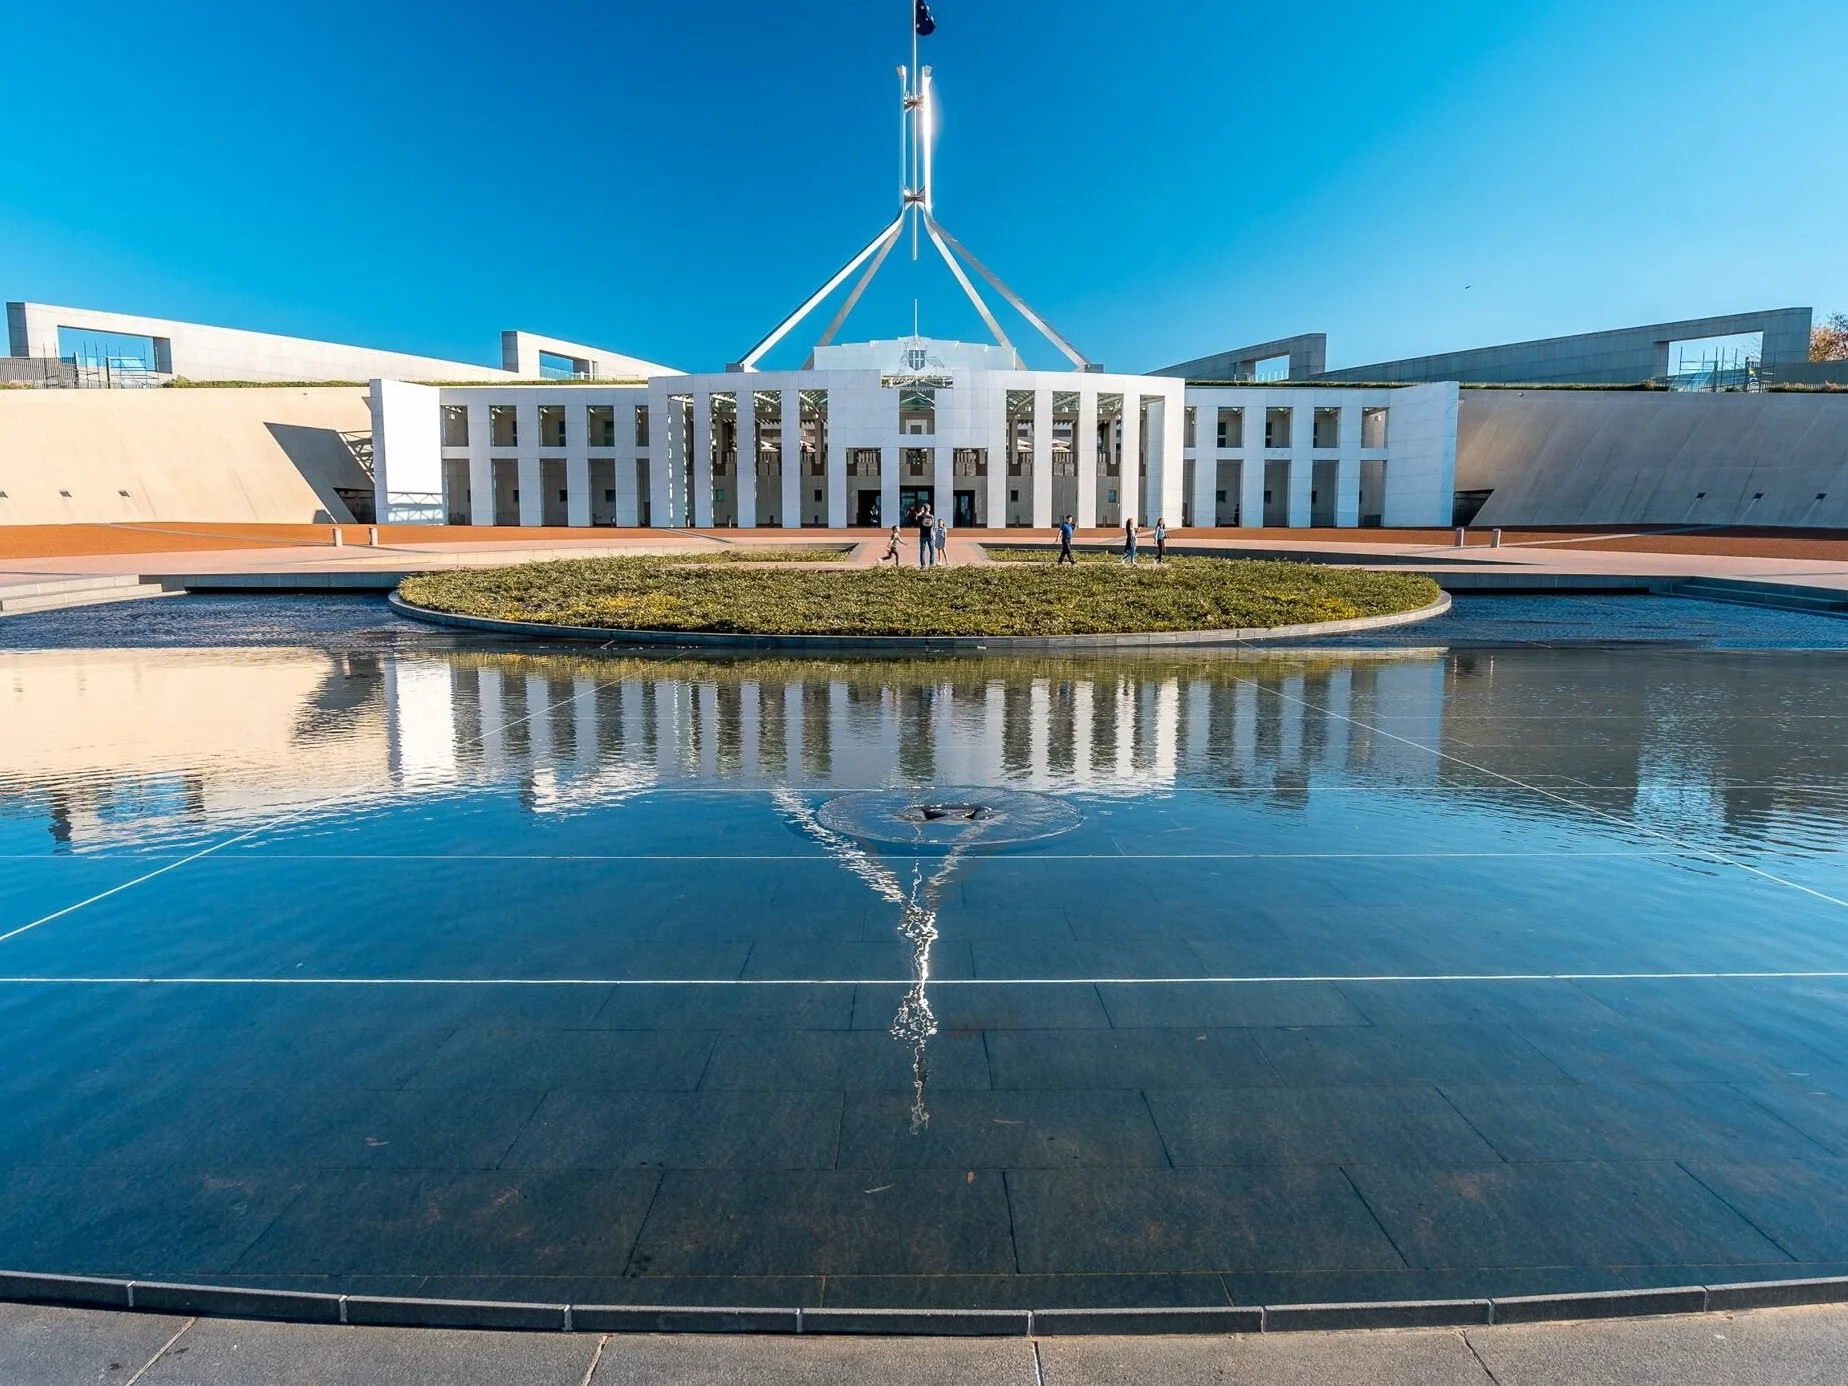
column 1265, row 1126
column 1344, row 1055
column 1295, row 1217
column 1592, row 1214
column 832, row 1060
column 229, row 1352
column 1768, row 1347
column 1426, row 1357
column 999, row 1130
column 566, row 1060
column 680, row 1130
column 1802, row 1205
column 1815, row 1103
column 1626, row 1121
column 805, row 1222
column 44, row 1346
column 1232, row 1005
column 1154, row 1058
column 726, row 1007
column 1475, row 1003
column 989, row 1006
column 818, row 1361
column 165, row 1223
column 1203, row 1290
column 534, row 1222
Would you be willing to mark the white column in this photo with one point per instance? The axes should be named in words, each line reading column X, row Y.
column 747, row 458
column 628, row 499
column 702, row 459
column 1041, row 480
column 532, row 486
column 998, row 444
column 837, row 481
column 667, row 450
column 480, row 466
column 584, row 725
column 1302, row 464
column 1167, row 425
column 942, row 479
column 577, row 464
column 1084, row 450
column 1251, row 472
column 1205, row 502
column 889, row 460
column 1347, row 469
column 1129, row 482
column 793, row 480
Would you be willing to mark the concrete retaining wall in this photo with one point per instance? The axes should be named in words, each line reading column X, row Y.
column 1594, row 457
column 254, row 455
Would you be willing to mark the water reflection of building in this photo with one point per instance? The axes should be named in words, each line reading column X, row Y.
column 121, row 745
column 117, row 744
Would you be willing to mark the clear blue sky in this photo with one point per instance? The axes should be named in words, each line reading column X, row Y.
column 1161, row 178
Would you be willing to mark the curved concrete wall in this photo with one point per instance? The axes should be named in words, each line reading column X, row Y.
column 249, row 455
column 1592, row 457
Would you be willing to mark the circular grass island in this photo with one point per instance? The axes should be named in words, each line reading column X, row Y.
column 1003, row 605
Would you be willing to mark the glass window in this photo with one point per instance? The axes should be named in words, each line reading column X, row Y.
column 1276, row 428
column 1231, row 428
column 1373, row 428
column 917, row 410
column 1327, row 428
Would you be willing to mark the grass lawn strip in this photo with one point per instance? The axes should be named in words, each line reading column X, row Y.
column 644, row 593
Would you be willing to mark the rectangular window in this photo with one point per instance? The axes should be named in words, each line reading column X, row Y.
column 602, row 420
column 503, row 426
column 641, row 425
column 455, row 425
column 1373, row 428
column 1327, row 429
column 1277, row 428
column 1231, row 429
column 917, row 410
column 551, row 425
column 1188, row 440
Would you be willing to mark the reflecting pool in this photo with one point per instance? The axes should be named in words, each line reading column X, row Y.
column 341, row 953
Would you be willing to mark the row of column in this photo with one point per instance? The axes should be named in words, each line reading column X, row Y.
column 1048, row 733
column 529, row 454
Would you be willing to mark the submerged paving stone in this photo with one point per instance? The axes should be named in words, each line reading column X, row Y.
column 525, row 974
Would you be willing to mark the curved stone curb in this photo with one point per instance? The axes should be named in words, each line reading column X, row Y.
column 220, row 1301
column 1003, row 644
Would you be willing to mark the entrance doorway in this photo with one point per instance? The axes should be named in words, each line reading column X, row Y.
column 964, row 518
column 866, row 510
column 911, row 497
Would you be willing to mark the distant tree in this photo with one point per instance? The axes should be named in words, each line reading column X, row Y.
column 1829, row 341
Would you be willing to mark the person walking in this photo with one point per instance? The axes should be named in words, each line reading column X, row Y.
column 943, row 541
column 1066, row 530
column 927, row 538
column 1129, row 541
column 1161, row 539
column 891, row 549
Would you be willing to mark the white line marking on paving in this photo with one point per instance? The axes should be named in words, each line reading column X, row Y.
column 1280, row 980
column 1546, row 793
column 266, row 826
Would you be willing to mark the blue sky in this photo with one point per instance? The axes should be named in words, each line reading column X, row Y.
column 1161, row 179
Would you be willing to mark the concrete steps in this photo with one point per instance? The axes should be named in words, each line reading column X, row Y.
column 1782, row 596
column 57, row 594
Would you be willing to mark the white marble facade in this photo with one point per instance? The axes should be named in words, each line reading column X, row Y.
column 881, row 425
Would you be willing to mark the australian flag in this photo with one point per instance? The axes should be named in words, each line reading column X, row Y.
column 925, row 23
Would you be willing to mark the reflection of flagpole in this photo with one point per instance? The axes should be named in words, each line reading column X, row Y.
column 914, row 1023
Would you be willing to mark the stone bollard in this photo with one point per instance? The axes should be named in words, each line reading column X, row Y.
column 1495, row 538
column 1460, row 540
column 339, row 538
column 372, row 536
